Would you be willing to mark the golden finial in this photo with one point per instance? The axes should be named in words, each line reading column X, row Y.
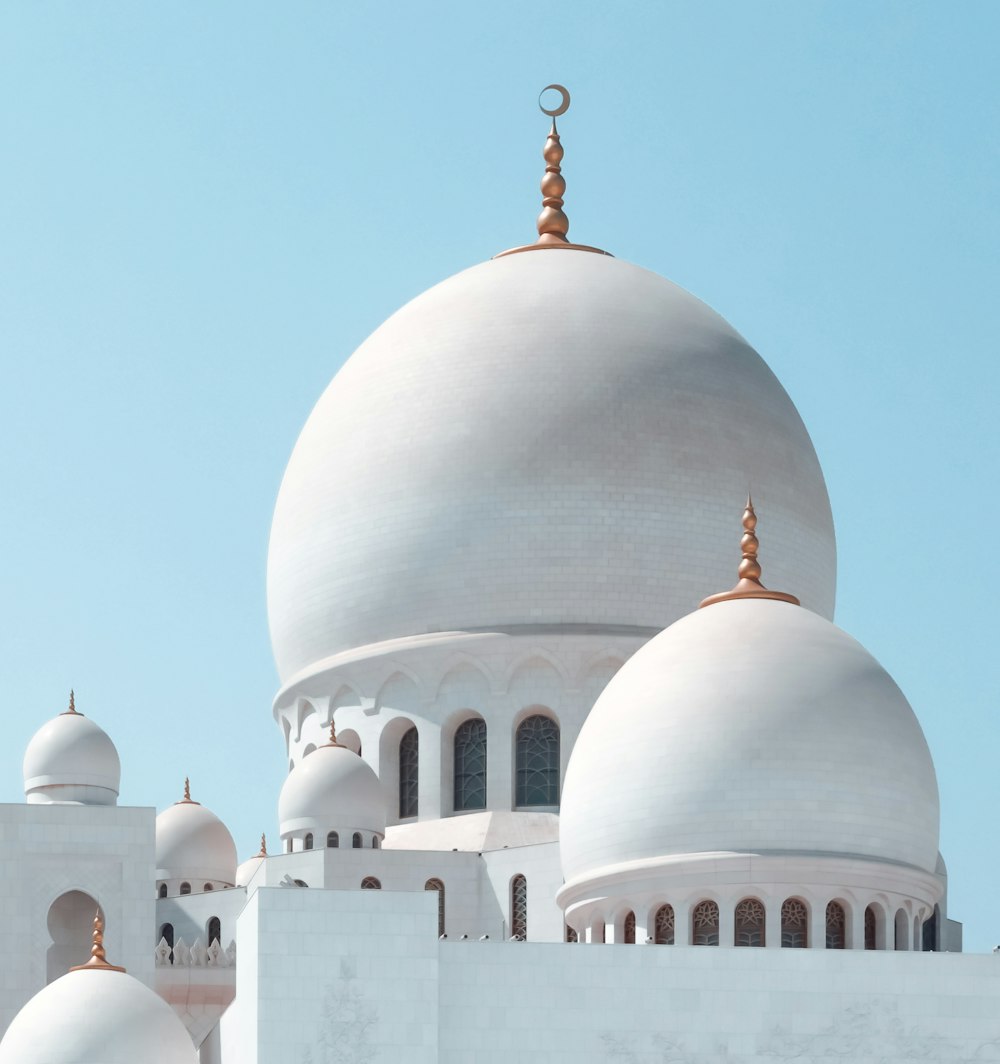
column 72, row 704
column 552, row 223
column 749, row 585
column 263, row 845
column 333, row 735
column 98, row 961
column 187, row 799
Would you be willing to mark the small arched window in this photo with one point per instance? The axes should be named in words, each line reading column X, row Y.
column 162, row 892
column 436, row 884
column 307, row 842
column 185, row 888
column 571, row 935
column 871, row 929
column 356, row 841
column 167, row 935
column 836, row 926
column 705, row 924
column 794, row 924
column 214, row 930
column 409, row 774
column 900, row 930
column 628, row 929
column 928, row 933
column 332, row 840
column 374, row 842
column 370, row 883
column 519, row 907
column 663, row 924
column 536, row 762
column 470, row 765
column 749, row 930
column 207, row 887
column 288, row 846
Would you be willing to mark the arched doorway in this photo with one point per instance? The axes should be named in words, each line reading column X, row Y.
column 71, row 925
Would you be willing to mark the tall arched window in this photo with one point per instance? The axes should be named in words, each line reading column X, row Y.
column 470, row 765
column 370, row 883
column 663, row 924
column 162, row 893
column 436, row 884
column 332, row 840
column 185, row 888
column 356, row 841
column 836, row 926
column 794, row 924
column 167, row 935
column 307, row 842
column 571, row 935
column 749, row 929
column 409, row 772
column 705, row 924
column 214, row 930
column 928, row 932
column 519, row 907
column 871, row 928
column 628, row 929
column 536, row 761
column 900, row 930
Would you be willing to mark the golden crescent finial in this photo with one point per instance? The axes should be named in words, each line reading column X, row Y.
column 98, row 960
column 748, row 585
column 72, row 702
column 552, row 223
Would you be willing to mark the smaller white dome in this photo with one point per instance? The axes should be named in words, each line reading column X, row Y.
column 248, row 868
column 96, row 1017
column 331, row 790
column 193, row 844
column 71, row 760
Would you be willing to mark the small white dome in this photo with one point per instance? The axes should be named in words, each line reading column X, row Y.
column 750, row 726
column 96, row 1017
column 71, row 760
column 193, row 844
column 331, row 790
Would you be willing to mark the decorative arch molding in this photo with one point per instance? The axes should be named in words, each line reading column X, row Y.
column 461, row 664
column 536, row 659
column 306, row 708
column 401, row 691
column 599, row 667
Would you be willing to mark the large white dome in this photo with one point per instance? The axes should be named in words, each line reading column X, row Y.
column 750, row 726
column 549, row 438
column 96, row 1017
column 71, row 760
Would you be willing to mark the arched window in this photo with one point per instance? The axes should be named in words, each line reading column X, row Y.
column 409, row 772
column 871, row 928
column 288, row 846
column 332, row 840
column 928, row 932
column 794, row 924
column 436, row 884
column 900, row 930
column 214, row 930
column 571, row 935
column 208, row 886
column 470, row 765
column 836, row 926
column 519, row 907
column 628, row 929
column 374, row 842
column 536, row 762
column 356, row 840
column 370, row 883
column 162, row 892
column 185, row 888
column 167, row 935
column 749, row 929
column 663, row 924
column 307, row 842
column 705, row 924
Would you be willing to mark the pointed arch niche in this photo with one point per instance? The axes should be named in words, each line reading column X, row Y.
column 71, row 923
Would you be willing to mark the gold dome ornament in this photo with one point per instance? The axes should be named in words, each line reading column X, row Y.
column 98, row 960
column 748, row 585
column 552, row 223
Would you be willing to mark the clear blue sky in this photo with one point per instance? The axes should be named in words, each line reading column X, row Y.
column 205, row 207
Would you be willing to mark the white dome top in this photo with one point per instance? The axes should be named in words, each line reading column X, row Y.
column 193, row 844
column 750, row 726
column 96, row 1017
column 332, row 789
column 71, row 760
column 553, row 437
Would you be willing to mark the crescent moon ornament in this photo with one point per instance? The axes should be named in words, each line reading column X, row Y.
column 563, row 107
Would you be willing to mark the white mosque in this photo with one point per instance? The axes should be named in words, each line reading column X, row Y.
column 540, row 806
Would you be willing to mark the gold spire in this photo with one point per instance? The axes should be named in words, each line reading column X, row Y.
column 98, row 961
column 749, row 585
column 72, row 704
column 552, row 223
column 333, row 735
column 187, row 799
column 263, row 845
